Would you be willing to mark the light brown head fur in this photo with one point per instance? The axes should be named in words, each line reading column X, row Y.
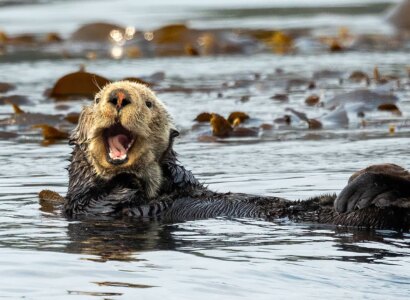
column 134, row 110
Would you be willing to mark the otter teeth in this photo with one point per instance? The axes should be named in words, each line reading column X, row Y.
column 117, row 146
column 112, row 156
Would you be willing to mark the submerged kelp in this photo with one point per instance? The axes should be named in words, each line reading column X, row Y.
column 351, row 106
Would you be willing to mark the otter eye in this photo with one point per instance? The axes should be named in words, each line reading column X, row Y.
column 97, row 100
column 148, row 104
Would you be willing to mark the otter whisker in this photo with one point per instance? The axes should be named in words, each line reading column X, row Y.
column 94, row 80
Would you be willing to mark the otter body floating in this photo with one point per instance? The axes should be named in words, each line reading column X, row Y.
column 123, row 165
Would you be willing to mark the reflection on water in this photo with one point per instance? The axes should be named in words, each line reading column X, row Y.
column 43, row 255
column 224, row 258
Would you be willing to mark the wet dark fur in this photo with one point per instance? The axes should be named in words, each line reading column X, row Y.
column 382, row 190
column 183, row 198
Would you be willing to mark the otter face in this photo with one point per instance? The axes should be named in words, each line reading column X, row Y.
column 127, row 129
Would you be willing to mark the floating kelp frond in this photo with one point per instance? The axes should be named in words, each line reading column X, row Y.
column 6, row 87
column 312, row 100
column 7, row 135
column 16, row 108
column 359, row 76
column 96, row 32
column 280, row 97
column 51, row 133
column 78, row 84
column 16, row 99
column 22, row 119
column 237, row 117
column 391, row 108
column 203, row 117
column 312, row 123
column 72, row 118
column 220, row 126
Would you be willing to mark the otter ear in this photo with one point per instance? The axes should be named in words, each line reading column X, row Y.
column 169, row 154
column 80, row 133
column 174, row 133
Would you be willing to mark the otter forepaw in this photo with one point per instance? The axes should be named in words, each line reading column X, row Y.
column 374, row 189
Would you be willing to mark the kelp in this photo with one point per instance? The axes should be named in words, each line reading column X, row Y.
column 280, row 97
column 72, row 118
column 390, row 107
column 220, row 126
column 359, row 76
column 237, row 117
column 223, row 128
column 16, row 99
column 78, row 84
column 203, row 117
column 6, row 87
column 29, row 40
column 312, row 100
column 116, row 41
column 23, row 119
column 312, row 123
column 96, row 32
column 51, row 133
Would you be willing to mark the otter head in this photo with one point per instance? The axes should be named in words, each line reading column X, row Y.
column 126, row 130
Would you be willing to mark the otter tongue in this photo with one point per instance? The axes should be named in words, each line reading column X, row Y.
column 118, row 144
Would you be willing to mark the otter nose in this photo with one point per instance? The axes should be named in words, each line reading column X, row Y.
column 119, row 99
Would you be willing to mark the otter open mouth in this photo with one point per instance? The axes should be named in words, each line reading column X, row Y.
column 118, row 140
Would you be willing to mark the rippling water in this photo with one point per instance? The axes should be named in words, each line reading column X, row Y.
column 42, row 255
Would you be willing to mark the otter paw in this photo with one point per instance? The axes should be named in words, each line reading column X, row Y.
column 374, row 189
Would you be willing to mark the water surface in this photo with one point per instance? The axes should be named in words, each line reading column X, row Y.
column 44, row 256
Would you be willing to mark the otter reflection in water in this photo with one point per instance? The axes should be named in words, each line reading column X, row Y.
column 126, row 239
column 124, row 165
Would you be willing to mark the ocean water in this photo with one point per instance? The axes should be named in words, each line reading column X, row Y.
column 45, row 256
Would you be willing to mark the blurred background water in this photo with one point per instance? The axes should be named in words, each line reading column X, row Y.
column 44, row 256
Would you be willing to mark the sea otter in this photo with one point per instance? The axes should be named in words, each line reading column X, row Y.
column 123, row 165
